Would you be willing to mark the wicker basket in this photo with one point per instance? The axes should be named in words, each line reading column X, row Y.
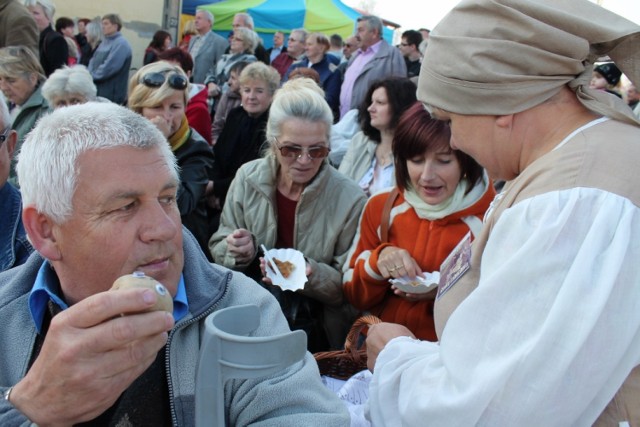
column 343, row 364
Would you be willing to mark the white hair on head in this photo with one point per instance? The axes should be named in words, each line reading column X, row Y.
column 248, row 19
column 67, row 81
column 372, row 22
column 47, row 6
column 249, row 39
column 302, row 99
column 206, row 13
column 47, row 164
column 302, row 34
column 94, row 33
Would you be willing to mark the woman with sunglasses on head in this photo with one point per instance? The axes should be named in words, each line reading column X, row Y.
column 441, row 195
column 293, row 198
column 159, row 91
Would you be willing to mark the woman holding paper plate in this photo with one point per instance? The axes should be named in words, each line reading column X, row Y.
column 440, row 195
column 292, row 198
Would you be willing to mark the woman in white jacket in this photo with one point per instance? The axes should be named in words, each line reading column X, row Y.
column 369, row 159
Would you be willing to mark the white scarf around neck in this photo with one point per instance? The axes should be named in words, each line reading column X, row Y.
column 457, row 202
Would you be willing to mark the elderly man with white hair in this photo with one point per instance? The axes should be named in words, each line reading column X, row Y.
column 99, row 187
column 206, row 47
column 374, row 60
column 538, row 319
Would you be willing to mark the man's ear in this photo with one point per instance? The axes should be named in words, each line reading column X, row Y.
column 11, row 142
column 39, row 228
column 505, row 121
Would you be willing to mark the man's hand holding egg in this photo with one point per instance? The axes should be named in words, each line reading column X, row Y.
column 139, row 280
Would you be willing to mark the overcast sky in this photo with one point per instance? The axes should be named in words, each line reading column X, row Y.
column 412, row 14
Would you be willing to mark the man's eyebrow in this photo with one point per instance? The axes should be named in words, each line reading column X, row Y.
column 135, row 194
column 171, row 185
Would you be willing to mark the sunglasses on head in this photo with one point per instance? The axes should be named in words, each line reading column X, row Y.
column 294, row 151
column 18, row 51
column 175, row 81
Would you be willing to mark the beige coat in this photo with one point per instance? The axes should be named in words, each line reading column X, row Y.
column 327, row 218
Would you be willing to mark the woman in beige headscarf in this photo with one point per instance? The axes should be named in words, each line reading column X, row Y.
column 543, row 329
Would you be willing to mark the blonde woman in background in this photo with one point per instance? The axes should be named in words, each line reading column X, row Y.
column 188, row 31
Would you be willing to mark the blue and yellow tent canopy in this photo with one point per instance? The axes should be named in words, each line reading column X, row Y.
column 325, row 16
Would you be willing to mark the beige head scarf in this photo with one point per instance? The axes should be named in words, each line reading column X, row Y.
column 506, row 56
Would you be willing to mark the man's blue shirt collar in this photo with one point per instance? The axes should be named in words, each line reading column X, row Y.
column 47, row 287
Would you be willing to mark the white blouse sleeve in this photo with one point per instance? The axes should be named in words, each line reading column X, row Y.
column 546, row 339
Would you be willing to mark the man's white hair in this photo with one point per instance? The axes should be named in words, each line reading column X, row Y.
column 5, row 117
column 47, row 164
column 248, row 19
column 47, row 6
column 206, row 13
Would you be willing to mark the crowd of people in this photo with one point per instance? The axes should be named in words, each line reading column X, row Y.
column 512, row 180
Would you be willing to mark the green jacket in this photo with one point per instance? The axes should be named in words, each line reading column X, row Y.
column 30, row 112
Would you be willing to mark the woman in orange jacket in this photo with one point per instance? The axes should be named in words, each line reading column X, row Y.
column 441, row 195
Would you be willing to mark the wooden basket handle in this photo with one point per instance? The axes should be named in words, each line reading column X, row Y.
column 351, row 343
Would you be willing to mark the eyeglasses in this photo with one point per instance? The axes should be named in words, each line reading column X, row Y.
column 313, row 153
column 176, row 81
column 4, row 135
